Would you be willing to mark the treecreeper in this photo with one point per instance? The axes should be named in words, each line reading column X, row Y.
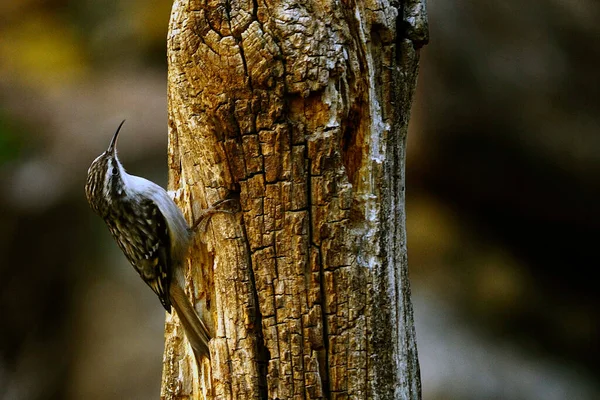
column 152, row 233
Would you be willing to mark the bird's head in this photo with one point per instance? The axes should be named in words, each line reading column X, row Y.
column 104, row 178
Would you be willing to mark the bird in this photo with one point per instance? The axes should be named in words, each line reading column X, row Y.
column 152, row 233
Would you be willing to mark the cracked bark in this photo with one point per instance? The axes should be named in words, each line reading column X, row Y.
column 299, row 108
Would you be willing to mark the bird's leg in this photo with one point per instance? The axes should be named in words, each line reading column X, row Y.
column 207, row 213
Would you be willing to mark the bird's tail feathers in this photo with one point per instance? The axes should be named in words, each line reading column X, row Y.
column 195, row 330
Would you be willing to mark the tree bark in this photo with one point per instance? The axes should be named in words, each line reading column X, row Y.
column 298, row 109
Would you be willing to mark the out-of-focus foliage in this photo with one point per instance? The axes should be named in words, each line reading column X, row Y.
column 76, row 323
column 41, row 50
column 11, row 143
column 505, row 174
column 53, row 43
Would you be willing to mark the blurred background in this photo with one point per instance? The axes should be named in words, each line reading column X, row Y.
column 503, row 188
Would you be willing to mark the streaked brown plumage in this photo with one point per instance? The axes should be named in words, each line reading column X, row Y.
column 152, row 233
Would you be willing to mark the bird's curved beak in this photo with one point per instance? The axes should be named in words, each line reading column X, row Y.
column 112, row 147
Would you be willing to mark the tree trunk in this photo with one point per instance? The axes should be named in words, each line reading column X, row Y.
column 298, row 109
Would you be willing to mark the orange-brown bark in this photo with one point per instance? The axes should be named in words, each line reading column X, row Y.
column 299, row 109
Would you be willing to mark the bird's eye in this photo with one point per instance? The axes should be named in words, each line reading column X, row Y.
column 115, row 170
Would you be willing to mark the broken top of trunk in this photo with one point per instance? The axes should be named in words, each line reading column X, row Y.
column 300, row 109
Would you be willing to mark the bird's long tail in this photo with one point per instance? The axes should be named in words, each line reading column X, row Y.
column 195, row 330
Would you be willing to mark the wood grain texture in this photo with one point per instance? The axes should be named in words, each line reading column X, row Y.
column 300, row 108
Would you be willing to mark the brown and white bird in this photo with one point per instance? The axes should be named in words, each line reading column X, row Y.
column 151, row 231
